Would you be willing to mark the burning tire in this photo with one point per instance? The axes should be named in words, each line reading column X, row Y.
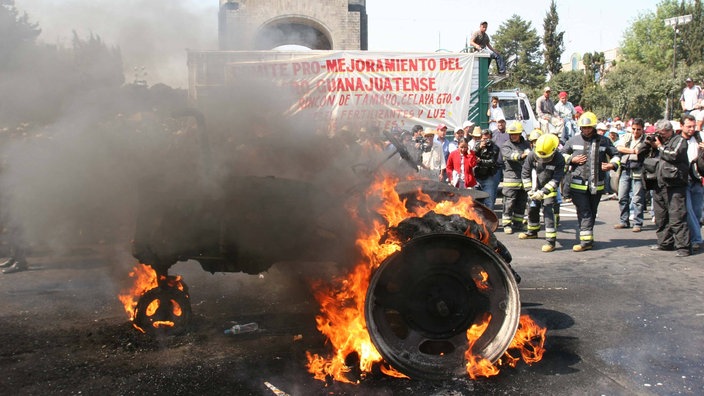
column 422, row 300
column 163, row 311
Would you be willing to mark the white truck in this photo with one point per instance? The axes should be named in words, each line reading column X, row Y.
column 382, row 90
column 517, row 107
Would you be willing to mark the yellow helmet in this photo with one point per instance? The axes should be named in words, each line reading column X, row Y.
column 516, row 127
column 546, row 145
column 587, row 119
column 535, row 134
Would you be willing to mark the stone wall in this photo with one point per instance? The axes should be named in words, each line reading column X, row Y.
column 258, row 24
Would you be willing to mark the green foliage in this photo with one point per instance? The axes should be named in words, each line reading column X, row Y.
column 517, row 37
column 635, row 90
column 692, row 35
column 571, row 82
column 552, row 40
column 648, row 40
column 594, row 67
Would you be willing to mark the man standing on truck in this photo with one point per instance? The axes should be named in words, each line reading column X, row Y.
column 480, row 40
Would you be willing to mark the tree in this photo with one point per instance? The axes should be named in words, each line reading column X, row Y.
column 693, row 35
column 635, row 90
column 98, row 65
column 552, row 40
column 594, row 66
column 16, row 32
column 517, row 38
column 648, row 41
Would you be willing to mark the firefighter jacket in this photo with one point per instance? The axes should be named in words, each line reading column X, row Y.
column 588, row 177
column 513, row 163
column 673, row 169
column 546, row 174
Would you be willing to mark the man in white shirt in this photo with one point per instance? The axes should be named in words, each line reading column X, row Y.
column 495, row 113
column 695, row 191
column 691, row 94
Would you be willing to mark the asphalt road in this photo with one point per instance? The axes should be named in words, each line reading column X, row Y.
column 621, row 319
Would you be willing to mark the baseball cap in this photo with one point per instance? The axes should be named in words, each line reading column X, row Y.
column 562, row 94
column 547, row 89
column 578, row 110
column 688, row 80
column 467, row 124
column 601, row 126
column 442, row 126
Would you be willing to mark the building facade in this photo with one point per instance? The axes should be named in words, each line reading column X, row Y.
column 269, row 24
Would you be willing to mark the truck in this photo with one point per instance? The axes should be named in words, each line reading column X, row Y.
column 517, row 107
column 364, row 89
column 248, row 189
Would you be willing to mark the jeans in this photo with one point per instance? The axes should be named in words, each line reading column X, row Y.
column 628, row 184
column 500, row 63
column 570, row 129
column 489, row 185
column 695, row 195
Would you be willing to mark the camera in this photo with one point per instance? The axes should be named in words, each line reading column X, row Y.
column 652, row 138
column 422, row 144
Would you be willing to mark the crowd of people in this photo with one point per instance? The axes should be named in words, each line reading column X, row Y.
column 658, row 165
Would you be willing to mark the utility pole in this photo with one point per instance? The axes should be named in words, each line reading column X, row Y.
column 675, row 22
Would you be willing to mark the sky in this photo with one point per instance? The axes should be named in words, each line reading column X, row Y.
column 155, row 34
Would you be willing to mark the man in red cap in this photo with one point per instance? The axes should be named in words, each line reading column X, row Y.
column 566, row 111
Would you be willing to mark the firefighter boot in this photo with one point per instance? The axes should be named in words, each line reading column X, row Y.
column 528, row 235
column 582, row 247
column 548, row 247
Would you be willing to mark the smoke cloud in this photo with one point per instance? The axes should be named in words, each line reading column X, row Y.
column 151, row 34
column 109, row 164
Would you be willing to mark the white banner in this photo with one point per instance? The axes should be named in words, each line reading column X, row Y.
column 361, row 88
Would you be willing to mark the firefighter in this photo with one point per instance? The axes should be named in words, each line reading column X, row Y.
column 589, row 156
column 514, row 152
column 541, row 174
column 533, row 137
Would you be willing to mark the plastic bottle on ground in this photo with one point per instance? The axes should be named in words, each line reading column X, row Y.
column 242, row 328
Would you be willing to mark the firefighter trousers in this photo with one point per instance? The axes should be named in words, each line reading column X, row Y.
column 515, row 200
column 548, row 206
column 586, row 205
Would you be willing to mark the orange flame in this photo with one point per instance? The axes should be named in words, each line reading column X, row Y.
column 529, row 341
column 341, row 317
column 144, row 280
column 342, row 307
column 478, row 366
